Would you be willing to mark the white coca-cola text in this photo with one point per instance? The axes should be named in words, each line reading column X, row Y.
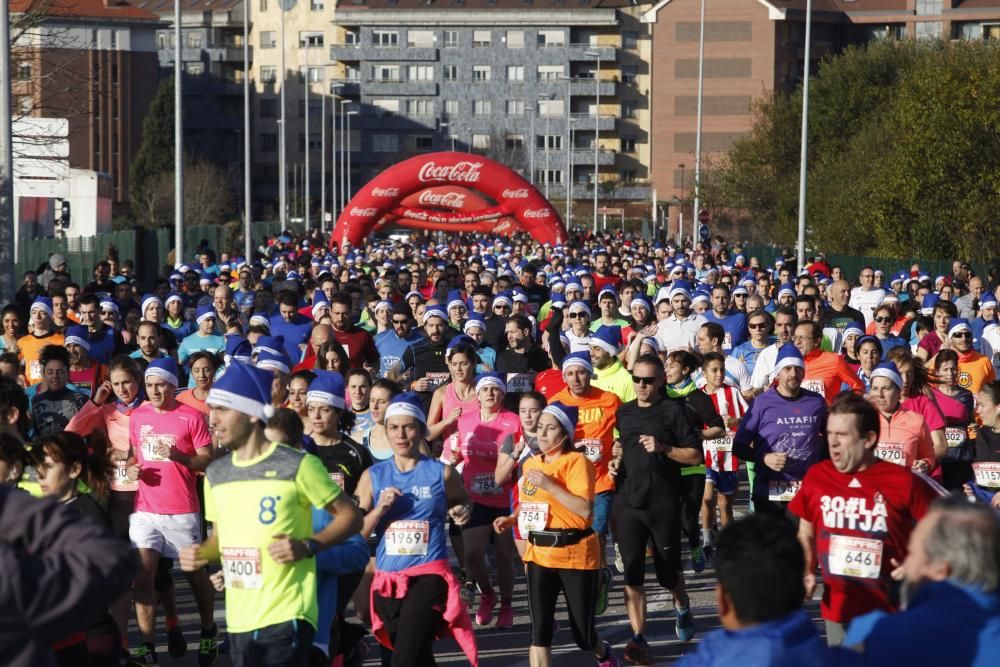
column 386, row 193
column 520, row 193
column 536, row 213
column 460, row 172
column 453, row 200
column 363, row 212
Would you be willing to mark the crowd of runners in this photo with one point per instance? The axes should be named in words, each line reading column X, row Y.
column 360, row 451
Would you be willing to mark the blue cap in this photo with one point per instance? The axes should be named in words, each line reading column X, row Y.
column 566, row 415
column 245, row 389
column 581, row 359
column 407, row 404
column 788, row 355
column 274, row 362
column 204, row 312
column 888, row 370
column 165, row 368
column 327, row 388
column 608, row 338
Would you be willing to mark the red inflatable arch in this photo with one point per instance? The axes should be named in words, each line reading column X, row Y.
column 386, row 195
column 450, row 198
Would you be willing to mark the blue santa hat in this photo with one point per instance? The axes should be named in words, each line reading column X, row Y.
column 148, row 301
column 788, row 355
column 274, row 362
column 237, row 349
column 455, row 300
column 581, row 359
column 475, row 321
column 958, row 324
column 165, row 369
column 608, row 338
column 42, row 303
column 490, row 380
column 204, row 312
column 327, row 388
column 406, row 404
column 566, row 415
column 245, row 389
column 433, row 311
column 319, row 301
column 679, row 287
column 889, row 371
column 855, row 328
column 271, row 344
column 457, row 341
column 77, row 335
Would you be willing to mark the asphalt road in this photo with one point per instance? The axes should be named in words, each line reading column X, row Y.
column 509, row 648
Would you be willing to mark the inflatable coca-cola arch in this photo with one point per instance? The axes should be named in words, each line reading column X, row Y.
column 389, row 197
column 449, row 198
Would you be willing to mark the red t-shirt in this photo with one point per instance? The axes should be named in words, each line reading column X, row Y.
column 359, row 345
column 861, row 522
column 550, row 382
column 600, row 282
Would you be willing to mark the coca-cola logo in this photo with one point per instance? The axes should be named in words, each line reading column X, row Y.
column 537, row 213
column 363, row 212
column 520, row 193
column 460, row 172
column 455, row 200
column 386, row 193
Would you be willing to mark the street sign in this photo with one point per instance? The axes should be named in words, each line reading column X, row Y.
column 611, row 211
column 703, row 232
column 703, row 216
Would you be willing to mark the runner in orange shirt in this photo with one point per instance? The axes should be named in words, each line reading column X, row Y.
column 904, row 438
column 974, row 370
column 825, row 371
column 595, row 437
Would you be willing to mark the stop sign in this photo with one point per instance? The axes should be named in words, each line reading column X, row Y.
column 703, row 216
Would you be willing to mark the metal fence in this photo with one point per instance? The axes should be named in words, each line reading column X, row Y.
column 852, row 264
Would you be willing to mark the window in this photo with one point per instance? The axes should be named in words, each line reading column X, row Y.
column 263, row 6
column 515, row 72
column 555, row 142
column 316, row 74
column 161, row 40
column 451, row 72
column 550, row 72
column 514, row 141
column 515, row 39
column 929, row 7
column 628, row 144
column 268, row 142
column 420, row 107
column 451, row 39
column 385, row 38
column 630, row 39
column 384, row 106
column 25, row 103
column 268, row 108
column 315, row 141
column 629, row 73
column 24, row 71
column 421, row 39
column 423, row 142
column 420, row 73
column 385, row 143
column 316, row 5
column 482, row 108
column 351, row 38
column 482, row 73
column 268, row 74
column 481, row 38
column 451, row 107
column 114, row 39
column 929, row 30
column 991, row 31
column 554, row 176
column 352, row 73
column 315, row 108
column 385, row 73
column 551, row 38
column 310, row 38
column 627, row 175
column 268, row 39
column 481, row 141
column 629, row 110
column 194, row 69
column 193, row 39
column 515, row 107
column 550, row 108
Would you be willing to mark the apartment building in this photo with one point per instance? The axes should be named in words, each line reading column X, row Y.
column 94, row 63
column 213, row 65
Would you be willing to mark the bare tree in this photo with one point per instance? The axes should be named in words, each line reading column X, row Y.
column 208, row 197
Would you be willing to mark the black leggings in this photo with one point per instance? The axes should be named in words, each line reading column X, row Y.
column 692, row 492
column 579, row 587
column 634, row 528
column 414, row 621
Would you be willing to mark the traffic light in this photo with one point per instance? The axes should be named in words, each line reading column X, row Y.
column 64, row 214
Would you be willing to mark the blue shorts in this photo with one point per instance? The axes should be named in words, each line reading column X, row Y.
column 726, row 482
column 602, row 511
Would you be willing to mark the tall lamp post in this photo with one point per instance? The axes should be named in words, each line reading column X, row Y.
column 597, row 122
column 247, row 242
column 569, row 170
column 334, row 202
column 178, row 138
column 697, row 136
column 804, row 151
column 343, row 154
column 680, row 213
column 283, row 6
column 531, row 156
column 306, row 171
column 546, row 97
column 349, row 114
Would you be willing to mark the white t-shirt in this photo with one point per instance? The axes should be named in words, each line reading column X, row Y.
column 763, row 368
column 867, row 301
column 675, row 334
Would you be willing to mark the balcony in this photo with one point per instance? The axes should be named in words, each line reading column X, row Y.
column 345, row 88
column 380, row 53
column 587, row 121
column 399, row 87
column 578, row 53
column 585, row 156
column 586, row 86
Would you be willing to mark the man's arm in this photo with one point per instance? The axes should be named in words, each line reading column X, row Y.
column 807, row 538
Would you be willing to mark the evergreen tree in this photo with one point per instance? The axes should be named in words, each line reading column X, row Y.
column 155, row 156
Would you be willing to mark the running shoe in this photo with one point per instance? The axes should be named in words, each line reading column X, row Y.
column 487, row 600
column 208, row 647
column 684, row 626
column 143, row 655
column 601, row 605
column 637, row 653
column 698, row 559
column 176, row 644
column 505, row 619
column 468, row 593
column 609, row 658
column 619, row 563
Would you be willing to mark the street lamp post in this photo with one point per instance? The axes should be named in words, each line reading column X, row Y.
column 680, row 214
column 548, row 113
column 334, row 203
column 597, row 123
column 697, row 134
column 531, row 147
column 343, row 154
column 804, row 150
column 283, row 6
column 247, row 243
column 569, row 171
column 322, row 163
column 178, row 138
column 307, row 172
column 349, row 114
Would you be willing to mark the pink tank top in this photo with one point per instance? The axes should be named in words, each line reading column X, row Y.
column 480, row 445
column 451, row 401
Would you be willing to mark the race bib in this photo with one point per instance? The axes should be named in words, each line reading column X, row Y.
column 855, row 557
column 727, row 342
column 987, row 474
column 783, row 490
column 485, row 484
column 407, row 538
column 893, row 452
column 815, row 385
column 532, row 516
column 241, row 566
column 721, row 445
column 436, row 379
column 120, row 478
column 149, row 443
column 35, row 370
column 592, row 449
column 955, row 437
column 338, row 478
column 519, row 383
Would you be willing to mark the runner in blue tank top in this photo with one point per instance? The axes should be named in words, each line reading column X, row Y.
column 415, row 597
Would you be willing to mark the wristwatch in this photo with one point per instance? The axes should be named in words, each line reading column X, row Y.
column 312, row 546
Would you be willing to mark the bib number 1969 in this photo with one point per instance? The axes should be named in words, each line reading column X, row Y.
column 407, row 538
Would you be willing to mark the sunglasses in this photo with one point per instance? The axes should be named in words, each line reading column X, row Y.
column 962, row 334
column 576, row 315
column 758, row 325
column 883, row 320
column 500, row 307
column 400, row 321
column 644, row 380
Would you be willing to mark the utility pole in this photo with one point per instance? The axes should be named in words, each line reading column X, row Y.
column 178, row 139
column 8, row 233
column 247, row 230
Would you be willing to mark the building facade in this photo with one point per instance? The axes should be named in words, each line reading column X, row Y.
column 94, row 63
